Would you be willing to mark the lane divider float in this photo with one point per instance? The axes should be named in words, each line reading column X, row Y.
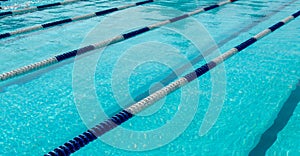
column 69, row 20
column 71, row 54
column 172, row 76
column 90, row 135
column 36, row 8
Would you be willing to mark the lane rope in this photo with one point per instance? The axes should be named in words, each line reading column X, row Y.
column 69, row 20
column 36, row 8
column 90, row 135
column 172, row 76
column 71, row 54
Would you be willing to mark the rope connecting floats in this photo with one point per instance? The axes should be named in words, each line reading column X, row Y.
column 172, row 76
column 61, row 57
column 36, row 8
column 100, row 129
column 69, row 20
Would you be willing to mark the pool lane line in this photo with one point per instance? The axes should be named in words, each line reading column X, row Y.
column 90, row 135
column 36, row 8
column 72, row 19
column 113, row 40
column 269, row 137
column 173, row 75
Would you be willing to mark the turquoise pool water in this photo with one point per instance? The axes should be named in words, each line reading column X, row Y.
column 38, row 111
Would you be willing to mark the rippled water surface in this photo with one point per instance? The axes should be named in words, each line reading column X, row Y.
column 38, row 111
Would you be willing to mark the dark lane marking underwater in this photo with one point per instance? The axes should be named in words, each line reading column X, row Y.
column 269, row 137
column 91, row 134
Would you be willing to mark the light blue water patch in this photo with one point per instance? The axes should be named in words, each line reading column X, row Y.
column 38, row 111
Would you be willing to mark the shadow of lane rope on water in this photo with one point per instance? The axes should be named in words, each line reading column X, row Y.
column 269, row 137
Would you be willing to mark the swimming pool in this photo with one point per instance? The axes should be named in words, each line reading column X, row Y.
column 39, row 110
